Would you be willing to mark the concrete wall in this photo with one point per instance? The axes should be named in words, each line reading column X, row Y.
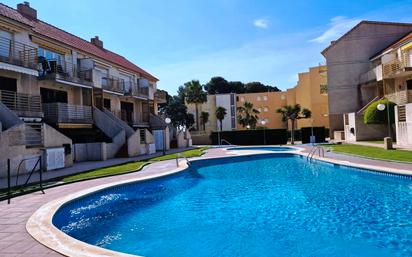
column 224, row 100
column 111, row 129
column 404, row 129
column 53, row 138
column 348, row 58
column 90, row 152
column 210, row 107
column 362, row 131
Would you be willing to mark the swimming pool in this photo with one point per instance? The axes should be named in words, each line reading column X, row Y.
column 265, row 148
column 261, row 205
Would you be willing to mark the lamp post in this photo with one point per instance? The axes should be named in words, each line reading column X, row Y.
column 382, row 107
column 167, row 121
column 263, row 122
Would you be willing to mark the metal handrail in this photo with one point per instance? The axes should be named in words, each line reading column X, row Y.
column 227, row 142
column 38, row 163
column 312, row 152
column 184, row 157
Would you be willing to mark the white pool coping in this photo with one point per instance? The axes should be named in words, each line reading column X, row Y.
column 40, row 225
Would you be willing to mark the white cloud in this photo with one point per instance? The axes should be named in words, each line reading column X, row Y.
column 261, row 23
column 338, row 26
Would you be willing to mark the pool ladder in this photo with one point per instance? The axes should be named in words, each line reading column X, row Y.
column 319, row 149
column 178, row 155
column 225, row 141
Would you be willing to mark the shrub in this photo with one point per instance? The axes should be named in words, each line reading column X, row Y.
column 374, row 116
column 253, row 137
column 318, row 132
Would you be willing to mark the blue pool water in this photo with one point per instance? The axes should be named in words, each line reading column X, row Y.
column 265, row 205
column 267, row 148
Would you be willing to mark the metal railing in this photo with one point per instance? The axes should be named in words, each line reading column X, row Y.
column 160, row 96
column 67, row 113
column 312, row 152
column 225, row 141
column 16, row 53
column 38, row 165
column 131, row 118
column 33, row 134
column 135, row 89
column 395, row 66
column 57, row 69
column 178, row 155
column 113, row 84
column 22, row 104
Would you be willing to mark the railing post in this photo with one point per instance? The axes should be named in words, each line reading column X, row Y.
column 41, row 174
column 8, row 182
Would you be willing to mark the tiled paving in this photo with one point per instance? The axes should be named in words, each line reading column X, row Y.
column 83, row 166
column 16, row 242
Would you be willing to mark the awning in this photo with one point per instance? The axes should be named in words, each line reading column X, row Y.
column 407, row 46
column 19, row 69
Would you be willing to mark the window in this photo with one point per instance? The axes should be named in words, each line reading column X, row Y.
column 323, row 89
column 6, row 38
column 259, row 109
column 50, row 55
column 265, row 98
column 242, row 99
column 346, row 118
column 258, row 98
column 401, row 113
column 265, row 109
column 107, row 104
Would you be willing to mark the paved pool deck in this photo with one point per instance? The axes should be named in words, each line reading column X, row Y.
column 16, row 242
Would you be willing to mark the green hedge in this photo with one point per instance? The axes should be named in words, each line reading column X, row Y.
column 253, row 137
column 318, row 132
column 374, row 116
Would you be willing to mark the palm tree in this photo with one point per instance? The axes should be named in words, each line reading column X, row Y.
column 293, row 113
column 247, row 115
column 195, row 95
column 204, row 117
column 220, row 115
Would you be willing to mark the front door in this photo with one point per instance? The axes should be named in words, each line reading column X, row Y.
column 409, row 90
column 53, row 96
column 159, row 139
column 127, row 111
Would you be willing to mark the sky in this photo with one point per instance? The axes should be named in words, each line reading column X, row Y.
column 241, row 40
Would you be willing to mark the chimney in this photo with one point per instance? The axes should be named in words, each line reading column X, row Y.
column 25, row 10
column 97, row 42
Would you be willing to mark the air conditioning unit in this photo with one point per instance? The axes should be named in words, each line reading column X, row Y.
column 53, row 158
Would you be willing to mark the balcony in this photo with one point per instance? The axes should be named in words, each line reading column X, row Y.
column 131, row 118
column 16, row 53
column 397, row 67
column 64, row 71
column 113, row 84
column 24, row 105
column 67, row 113
column 160, row 96
column 135, row 89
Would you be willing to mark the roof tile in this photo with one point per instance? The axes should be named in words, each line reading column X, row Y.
column 69, row 39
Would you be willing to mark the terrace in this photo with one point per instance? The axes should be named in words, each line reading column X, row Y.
column 63, row 71
column 24, row 105
column 67, row 113
column 17, row 53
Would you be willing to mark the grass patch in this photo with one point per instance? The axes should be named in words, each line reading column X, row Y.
column 129, row 167
column 374, row 152
column 188, row 154
column 102, row 172
column 108, row 171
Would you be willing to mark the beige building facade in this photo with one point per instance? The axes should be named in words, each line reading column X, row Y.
column 310, row 92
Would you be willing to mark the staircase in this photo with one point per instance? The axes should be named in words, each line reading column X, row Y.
column 33, row 135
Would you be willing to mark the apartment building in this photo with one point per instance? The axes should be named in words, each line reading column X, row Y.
column 69, row 99
column 310, row 92
column 391, row 70
column 351, row 80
